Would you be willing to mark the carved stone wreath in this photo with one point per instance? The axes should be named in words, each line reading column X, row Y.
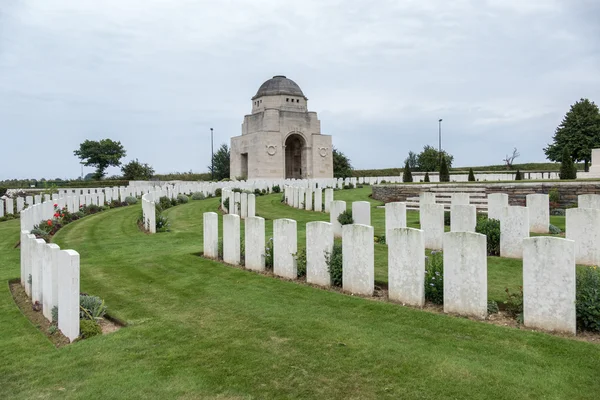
column 323, row 151
column 271, row 150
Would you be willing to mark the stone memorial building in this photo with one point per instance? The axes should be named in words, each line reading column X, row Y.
column 281, row 138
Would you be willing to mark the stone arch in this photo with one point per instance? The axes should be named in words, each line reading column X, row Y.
column 295, row 156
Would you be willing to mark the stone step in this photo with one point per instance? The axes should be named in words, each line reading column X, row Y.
column 457, row 190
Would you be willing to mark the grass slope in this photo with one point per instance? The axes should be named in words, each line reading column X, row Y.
column 200, row 329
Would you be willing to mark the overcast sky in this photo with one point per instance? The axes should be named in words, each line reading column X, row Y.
column 158, row 74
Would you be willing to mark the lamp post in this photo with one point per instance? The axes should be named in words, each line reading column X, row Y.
column 440, row 140
column 212, row 157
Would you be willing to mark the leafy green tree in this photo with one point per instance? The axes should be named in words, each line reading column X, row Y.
column 444, row 171
column 100, row 154
column 412, row 160
column 342, row 168
column 429, row 159
column 407, row 175
column 221, row 161
column 426, row 179
column 579, row 131
column 136, row 171
column 568, row 170
column 471, row 175
column 518, row 176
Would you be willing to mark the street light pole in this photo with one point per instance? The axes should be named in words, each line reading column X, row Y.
column 212, row 157
column 440, row 140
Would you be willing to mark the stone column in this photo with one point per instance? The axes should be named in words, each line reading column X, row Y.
column 285, row 247
column 463, row 218
column 358, row 271
column 406, row 265
column 395, row 216
column 432, row 224
column 514, row 228
column 539, row 213
column 583, row 227
column 318, row 200
column 251, row 205
column 361, row 212
column 231, row 239
column 68, row 293
column 337, row 207
column 465, row 274
column 328, row 199
column 319, row 242
column 211, row 234
column 549, row 284
column 496, row 202
column 255, row 243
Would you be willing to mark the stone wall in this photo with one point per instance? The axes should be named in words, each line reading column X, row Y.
column 517, row 192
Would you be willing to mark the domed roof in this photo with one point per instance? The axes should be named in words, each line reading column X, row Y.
column 278, row 85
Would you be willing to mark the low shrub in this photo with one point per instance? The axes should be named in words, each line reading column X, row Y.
column 55, row 314
column 89, row 328
column 345, row 218
column 514, row 304
column 220, row 250
column 491, row 229
column 131, row 200
column 553, row 229
column 182, row 198
column 218, row 192
column 162, row 223
column 276, row 189
column 91, row 307
column 334, row 262
column 587, row 300
column 447, row 218
column 269, row 254
column 554, row 195
column 300, row 257
column 380, row 239
column 164, row 202
column 198, row 196
column 557, row 211
column 492, row 307
column 226, row 204
column 434, row 278
column 258, row 192
column 349, row 186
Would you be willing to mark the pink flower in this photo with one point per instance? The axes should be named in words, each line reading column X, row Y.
column 49, row 222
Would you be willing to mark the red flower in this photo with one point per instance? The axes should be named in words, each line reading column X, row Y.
column 55, row 205
column 49, row 222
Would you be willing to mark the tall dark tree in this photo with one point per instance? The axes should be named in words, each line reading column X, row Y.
column 426, row 179
column 407, row 175
column 518, row 176
column 136, row 171
column 100, row 154
column 471, row 177
column 342, row 168
column 221, row 163
column 568, row 170
column 429, row 159
column 444, row 171
column 579, row 131
column 412, row 160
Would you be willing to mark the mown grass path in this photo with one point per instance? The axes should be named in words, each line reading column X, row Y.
column 200, row 329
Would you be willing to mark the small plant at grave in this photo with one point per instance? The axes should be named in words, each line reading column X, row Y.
column 220, row 250
column 434, row 278
column 218, row 192
column 426, row 179
column 492, row 307
column 54, row 313
column 349, row 186
column 471, row 177
column 226, row 204
column 40, row 233
column 587, row 299
column 380, row 239
column 89, row 328
column 554, row 195
column 257, row 192
column 52, row 329
column 359, row 186
column 164, row 202
column 491, row 229
column 91, row 307
column 300, row 257
column 514, row 304
column 553, row 229
column 276, row 189
column 162, row 223
column 345, row 218
column 174, row 202
column 518, row 176
column 269, row 255
column 198, row 196
column 383, row 181
column 447, row 218
column 182, row 199
column 334, row 261
column 242, row 251
column 131, row 200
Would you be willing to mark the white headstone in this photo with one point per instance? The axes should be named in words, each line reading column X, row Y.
column 337, row 207
column 358, row 271
column 231, row 239
column 255, row 243
column 328, row 199
column 583, row 227
column 243, row 205
column 68, row 293
column 395, row 216
column 514, row 228
column 211, row 235
column 308, row 203
column 285, row 247
column 426, row 198
column 37, row 271
column 549, row 284
column 10, row 206
column 251, row 205
column 406, row 265
column 463, row 218
column 361, row 212
column 588, row 200
column 319, row 244
column 539, row 212
column 50, row 279
column 460, row 199
column 496, row 203
column 465, row 274
column 432, row 224
column 318, row 195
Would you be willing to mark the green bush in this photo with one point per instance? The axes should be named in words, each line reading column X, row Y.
column 198, row 196
column 182, row 198
column 514, row 304
column 218, row 192
column 447, row 218
column 130, row 200
column 492, row 307
column 91, row 307
column 89, row 328
column 164, row 202
column 491, row 229
column 434, row 278
column 226, row 205
column 553, row 229
column 301, row 262
column 334, row 262
column 162, row 223
column 276, row 189
column 554, row 195
column 345, row 218
column 587, row 302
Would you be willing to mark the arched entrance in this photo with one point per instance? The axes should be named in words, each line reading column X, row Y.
column 295, row 157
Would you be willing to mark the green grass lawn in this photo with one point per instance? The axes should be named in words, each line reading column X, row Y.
column 201, row 330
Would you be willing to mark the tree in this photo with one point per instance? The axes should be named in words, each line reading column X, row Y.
column 579, row 131
column 518, row 176
column 426, row 179
column 471, row 175
column 100, row 154
column 407, row 175
column 220, row 161
column 342, row 168
column 509, row 160
column 136, row 171
column 444, row 171
column 568, row 170
column 429, row 159
column 412, row 160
